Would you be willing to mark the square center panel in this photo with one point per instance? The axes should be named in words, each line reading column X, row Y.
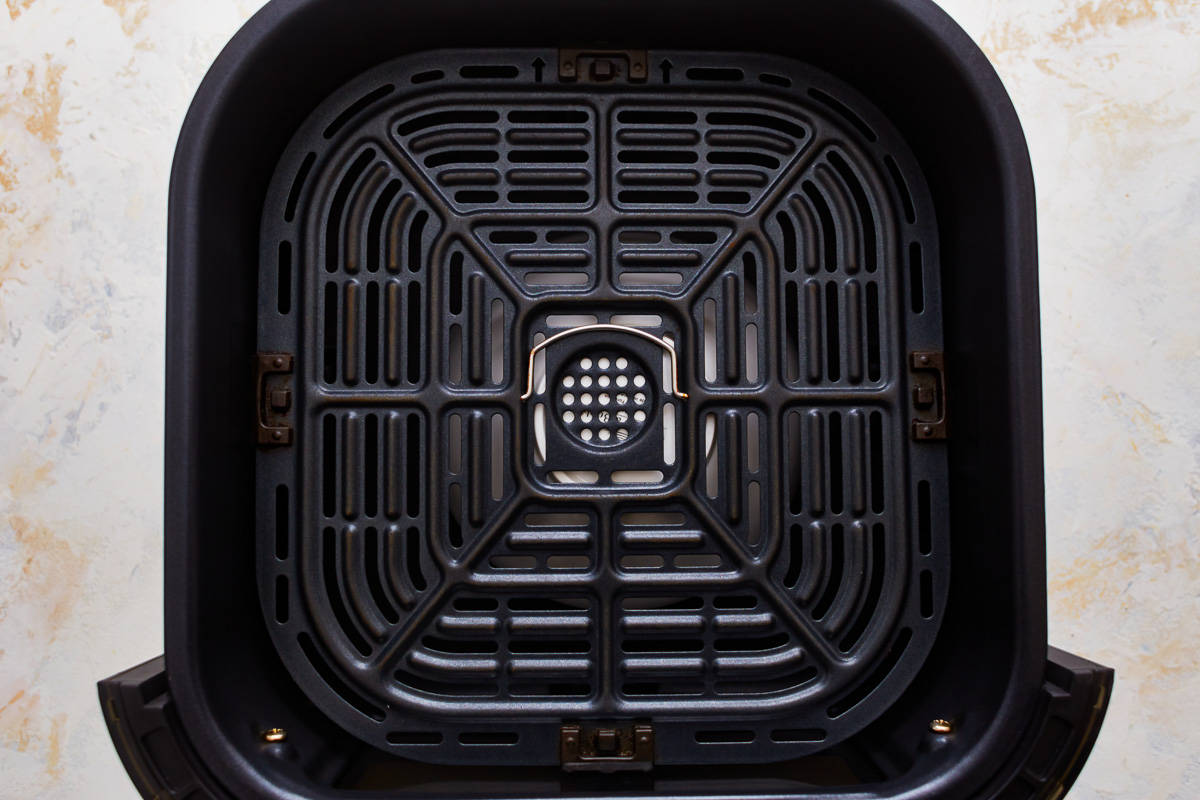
column 603, row 406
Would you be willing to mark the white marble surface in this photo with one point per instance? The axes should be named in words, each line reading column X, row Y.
column 92, row 93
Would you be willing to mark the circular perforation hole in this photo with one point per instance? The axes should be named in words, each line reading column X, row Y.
column 595, row 404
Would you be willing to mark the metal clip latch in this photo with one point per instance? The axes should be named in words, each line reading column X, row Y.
column 604, row 749
column 670, row 348
column 273, row 394
column 928, row 396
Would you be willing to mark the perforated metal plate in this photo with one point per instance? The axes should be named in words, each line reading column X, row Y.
column 452, row 572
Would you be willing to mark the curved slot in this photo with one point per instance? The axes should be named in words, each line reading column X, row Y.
column 371, row 565
column 337, row 207
column 333, row 593
column 827, row 225
column 844, row 111
column 457, row 647
column 439, row 118
column 444, row 688
column 412, row 552
column 335, row 683
column 877, row 677
column 834, row 572
column 878, row 565
column 289, row 213
column 910, row 213
column 753, row 120
column 743, row 158
column 787, row 233
column 357, row 108
column 795, row 556
column 447, row 157
column 751, row 643
column 867, row 217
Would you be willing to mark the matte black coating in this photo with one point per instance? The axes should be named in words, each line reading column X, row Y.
column 453, row 573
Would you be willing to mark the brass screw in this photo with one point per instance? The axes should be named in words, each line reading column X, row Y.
column 941, row 726
column 274, row 735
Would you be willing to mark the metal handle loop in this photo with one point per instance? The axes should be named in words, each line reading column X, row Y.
column 603, row 326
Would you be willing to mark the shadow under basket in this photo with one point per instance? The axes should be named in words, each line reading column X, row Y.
column 604, row 399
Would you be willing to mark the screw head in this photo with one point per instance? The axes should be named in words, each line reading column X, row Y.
column 941, row 726
column 924, row 360
column 274, row 735
column 277, row 435
column 927, row 430
column 278, row 362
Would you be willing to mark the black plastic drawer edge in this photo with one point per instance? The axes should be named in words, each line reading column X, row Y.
column 159, row 758
column 1072, row 703
column 149, row 738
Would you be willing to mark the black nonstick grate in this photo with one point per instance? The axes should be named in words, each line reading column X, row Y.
column 609, row 378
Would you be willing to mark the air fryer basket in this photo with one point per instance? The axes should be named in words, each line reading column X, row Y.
column 629, row 398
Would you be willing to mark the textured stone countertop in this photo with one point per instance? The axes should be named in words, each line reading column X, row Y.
column 92, row 94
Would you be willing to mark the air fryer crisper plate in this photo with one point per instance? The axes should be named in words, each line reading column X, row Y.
column 747, row 564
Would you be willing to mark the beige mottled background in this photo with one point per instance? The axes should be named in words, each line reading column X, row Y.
column 92, row 93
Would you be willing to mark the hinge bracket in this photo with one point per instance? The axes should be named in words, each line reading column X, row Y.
column 927, row 376
column 602, row 66
column 273, row 396
column 606, row 749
